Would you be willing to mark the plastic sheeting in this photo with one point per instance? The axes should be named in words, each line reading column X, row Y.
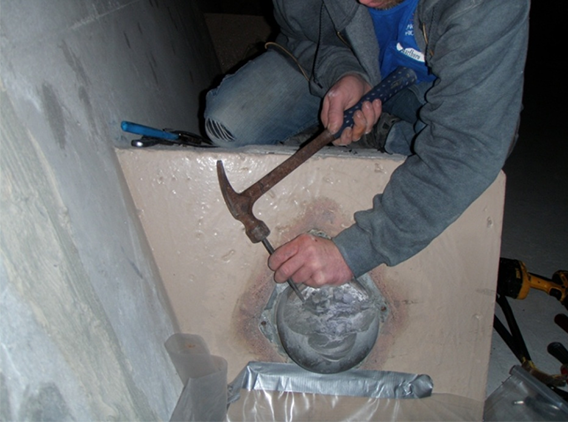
column 284, row 406
column 286, row 392
column 522, row 397
column 204, row 376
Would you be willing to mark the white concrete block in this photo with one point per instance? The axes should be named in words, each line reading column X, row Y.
column 441, row 301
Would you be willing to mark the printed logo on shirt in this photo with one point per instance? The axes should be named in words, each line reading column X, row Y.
column 410, row 52
column 409, row 30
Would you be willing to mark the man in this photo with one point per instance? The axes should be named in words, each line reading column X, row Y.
column 456, row 125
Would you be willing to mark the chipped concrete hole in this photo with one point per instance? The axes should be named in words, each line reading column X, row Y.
column 333, row 330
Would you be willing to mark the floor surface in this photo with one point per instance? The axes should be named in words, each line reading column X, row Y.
column 536, row 210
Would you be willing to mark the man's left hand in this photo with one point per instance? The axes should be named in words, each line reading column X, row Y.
column 311, row 260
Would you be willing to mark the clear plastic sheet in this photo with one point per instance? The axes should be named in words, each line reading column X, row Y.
column 285, row 392
column 260, row 405
column 524, row 398
column 204, row 396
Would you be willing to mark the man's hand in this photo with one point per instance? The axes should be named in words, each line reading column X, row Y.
column 344, row 94
column 311, row 260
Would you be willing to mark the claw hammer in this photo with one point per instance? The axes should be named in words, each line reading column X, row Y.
column 240, row 204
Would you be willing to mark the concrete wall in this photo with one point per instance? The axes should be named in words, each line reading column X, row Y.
column 84, row 316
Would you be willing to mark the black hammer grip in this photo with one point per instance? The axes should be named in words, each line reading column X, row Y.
column 401, row 78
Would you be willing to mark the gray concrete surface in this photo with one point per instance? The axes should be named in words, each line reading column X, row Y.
column 83, row 315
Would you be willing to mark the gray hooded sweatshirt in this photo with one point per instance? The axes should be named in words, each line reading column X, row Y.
column 477, row 51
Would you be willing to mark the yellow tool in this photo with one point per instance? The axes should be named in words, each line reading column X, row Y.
column 515, row 281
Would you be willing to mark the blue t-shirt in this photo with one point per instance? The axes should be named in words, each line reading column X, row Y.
column 394, row 29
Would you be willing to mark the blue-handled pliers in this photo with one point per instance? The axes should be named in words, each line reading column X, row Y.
column 152, row 136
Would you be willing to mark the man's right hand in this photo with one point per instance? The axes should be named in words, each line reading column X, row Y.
column 345, row 93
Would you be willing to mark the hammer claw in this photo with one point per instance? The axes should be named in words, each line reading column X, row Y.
column 226, row 188
column 240, row 205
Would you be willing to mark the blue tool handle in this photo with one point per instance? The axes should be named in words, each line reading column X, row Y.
column 148, row 131
column 401, row 78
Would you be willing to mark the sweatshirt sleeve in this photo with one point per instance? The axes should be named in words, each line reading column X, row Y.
column 471, row 113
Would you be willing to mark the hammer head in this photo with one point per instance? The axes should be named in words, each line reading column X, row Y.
column 240, row 205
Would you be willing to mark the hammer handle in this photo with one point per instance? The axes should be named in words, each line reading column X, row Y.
column 398, row 80
column 401, row 78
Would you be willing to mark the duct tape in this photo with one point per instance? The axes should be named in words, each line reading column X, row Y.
column 284, row 377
